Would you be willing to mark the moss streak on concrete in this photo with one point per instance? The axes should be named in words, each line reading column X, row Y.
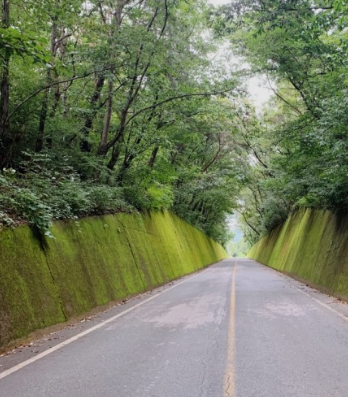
column 91, row 263
column 311, row 246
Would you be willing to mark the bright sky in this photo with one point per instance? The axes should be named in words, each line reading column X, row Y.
column 259, row 91
column 219, row 2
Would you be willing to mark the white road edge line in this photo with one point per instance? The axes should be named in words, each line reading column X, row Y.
column 342, row 316
column 280, row 275
column 88, row 331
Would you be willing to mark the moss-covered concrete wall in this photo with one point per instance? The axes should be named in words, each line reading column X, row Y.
column 311, row 246
column 91, row 263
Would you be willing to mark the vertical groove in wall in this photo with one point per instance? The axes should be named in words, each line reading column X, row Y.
column 60, row 302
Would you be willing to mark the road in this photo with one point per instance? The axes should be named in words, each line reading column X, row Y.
column 234, row 329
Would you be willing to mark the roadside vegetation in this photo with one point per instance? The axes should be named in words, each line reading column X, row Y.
column 109, row 106
column 299, row 143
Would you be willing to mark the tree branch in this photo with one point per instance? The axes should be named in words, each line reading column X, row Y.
column 281, row 98
column 39, row 90
column 184, row 96
column 248, row 223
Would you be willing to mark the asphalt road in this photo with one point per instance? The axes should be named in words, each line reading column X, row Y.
column 235, row 329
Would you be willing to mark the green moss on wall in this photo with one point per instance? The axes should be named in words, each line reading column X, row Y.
column 90, row 263
column 312, row 246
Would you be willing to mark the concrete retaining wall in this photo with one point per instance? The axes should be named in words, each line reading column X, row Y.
column 311, row 246
column 91, row 263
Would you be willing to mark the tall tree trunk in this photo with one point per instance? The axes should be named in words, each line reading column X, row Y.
column 5, row 87
column 135, row 87
column 116, row 151
column 99, row 84
column 127, row 162
column 152, row 160
column 42, row 120
column 108, row 114
column 125, row 166
column 103, row 144
column 105, row 147
column 5, row 97
column 45, row 99
column 61, row 46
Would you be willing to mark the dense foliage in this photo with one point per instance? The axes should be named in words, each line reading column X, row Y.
column 113, row 106
column 299, row 141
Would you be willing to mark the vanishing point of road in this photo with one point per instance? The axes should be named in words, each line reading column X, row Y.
column 234, row 329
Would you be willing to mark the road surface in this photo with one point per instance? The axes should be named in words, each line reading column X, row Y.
column 235, row 329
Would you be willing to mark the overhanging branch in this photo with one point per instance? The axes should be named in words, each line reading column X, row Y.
column 183, row 96
column 46, row 87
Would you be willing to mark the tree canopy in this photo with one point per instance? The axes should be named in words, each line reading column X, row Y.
column 113, row 106
column 121, row 105
column 299, row 144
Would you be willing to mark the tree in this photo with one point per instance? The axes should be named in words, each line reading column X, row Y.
column 117, row 105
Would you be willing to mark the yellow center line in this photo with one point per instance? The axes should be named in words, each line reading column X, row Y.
column 229, row 382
